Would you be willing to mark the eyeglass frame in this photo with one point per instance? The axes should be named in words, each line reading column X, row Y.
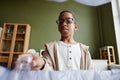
column 65, row 20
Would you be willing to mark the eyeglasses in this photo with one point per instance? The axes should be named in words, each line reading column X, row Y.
column 67, row 21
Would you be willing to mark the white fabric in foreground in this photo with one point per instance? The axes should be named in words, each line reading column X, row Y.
column 87, row 2
column 60, row 75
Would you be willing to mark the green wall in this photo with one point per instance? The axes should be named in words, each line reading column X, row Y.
column 107, row 28
column 41, row 15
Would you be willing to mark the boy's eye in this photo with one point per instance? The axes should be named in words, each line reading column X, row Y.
column 69, row 21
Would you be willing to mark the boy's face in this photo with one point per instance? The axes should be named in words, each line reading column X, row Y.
column 66, row 24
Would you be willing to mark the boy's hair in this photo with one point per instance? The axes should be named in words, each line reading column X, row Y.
column 68, row 12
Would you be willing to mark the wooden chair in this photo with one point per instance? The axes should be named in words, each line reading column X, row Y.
column 107, row 52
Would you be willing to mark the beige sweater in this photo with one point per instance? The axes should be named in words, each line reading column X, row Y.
column 50, row 57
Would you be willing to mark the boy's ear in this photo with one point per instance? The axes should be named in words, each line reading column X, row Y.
column 76, row 27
